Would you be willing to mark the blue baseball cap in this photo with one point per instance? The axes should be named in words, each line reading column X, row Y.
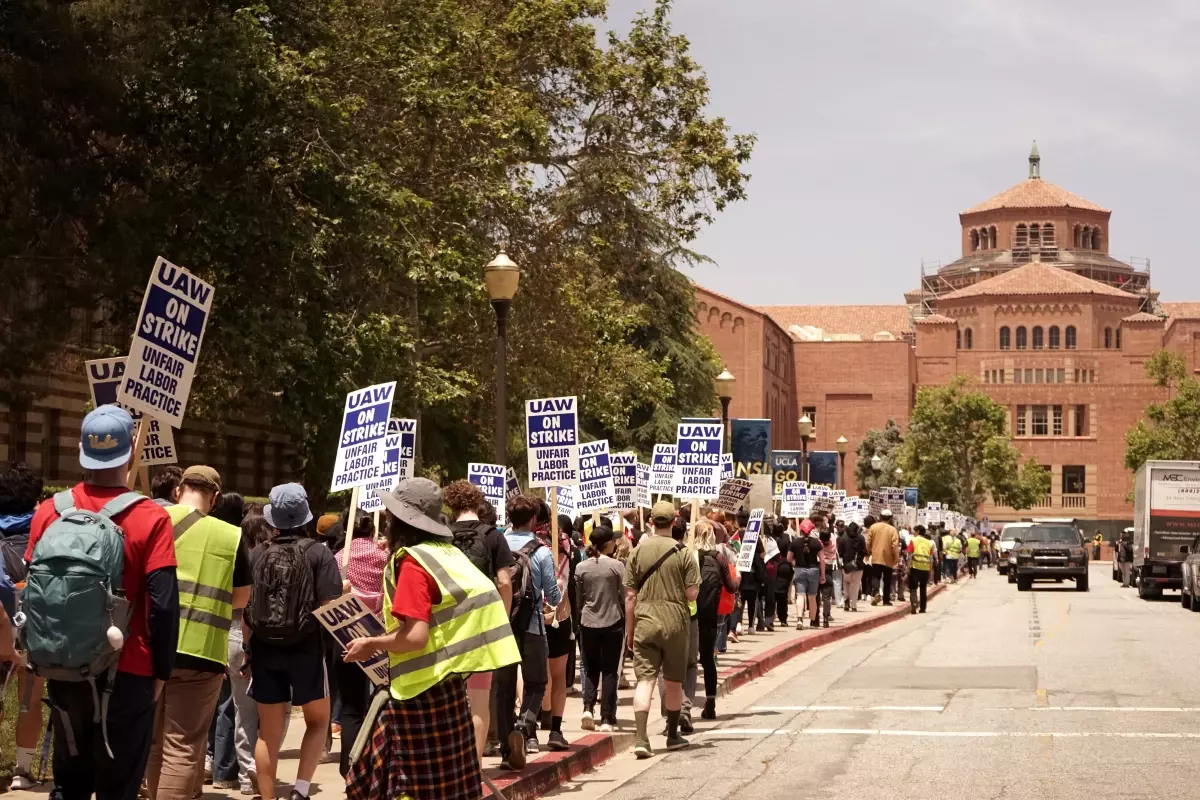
column 106, row 438
column 288, row 508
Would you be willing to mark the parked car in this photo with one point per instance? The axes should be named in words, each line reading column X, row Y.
column 1008, row 540
column 1190, row 591
column 1051, row 551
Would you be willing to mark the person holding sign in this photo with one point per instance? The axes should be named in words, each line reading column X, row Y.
column 444, row 619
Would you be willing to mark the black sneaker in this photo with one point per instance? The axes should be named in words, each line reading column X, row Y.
column 297, row 796
column 531, row 745
column 677, row 743
column 556, row 741
column 516, row 749
column 685, row 724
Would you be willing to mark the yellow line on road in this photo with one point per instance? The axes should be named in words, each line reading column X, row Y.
column 1043, row 699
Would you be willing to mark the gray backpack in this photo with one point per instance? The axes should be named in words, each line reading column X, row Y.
column 73, row 595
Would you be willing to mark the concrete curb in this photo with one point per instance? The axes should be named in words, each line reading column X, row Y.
column 552, row 770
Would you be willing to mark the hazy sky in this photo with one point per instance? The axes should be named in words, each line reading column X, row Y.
column 878, row 122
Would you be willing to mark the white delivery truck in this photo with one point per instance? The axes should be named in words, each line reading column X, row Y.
column 1166, row 518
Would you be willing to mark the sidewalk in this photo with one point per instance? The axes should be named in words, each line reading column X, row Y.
column 754, row 656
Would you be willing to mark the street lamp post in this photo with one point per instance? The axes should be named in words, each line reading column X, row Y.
column 806, row 427
column 876, row 462
column 501, row 277
column 899, row 474
column 724, row 385
column 842, row 443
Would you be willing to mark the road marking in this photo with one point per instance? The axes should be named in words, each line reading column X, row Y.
column 745, row 732
column 1140, row 709
column 1043, row 698
column 849, row 708
column 947, row 734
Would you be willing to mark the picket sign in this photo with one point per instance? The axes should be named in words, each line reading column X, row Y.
column 745, row 558
column 104, row 377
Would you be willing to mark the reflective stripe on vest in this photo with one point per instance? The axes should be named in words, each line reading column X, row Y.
column 205, row 552
column 922, row 552
column 952, row 546
column 469, row 630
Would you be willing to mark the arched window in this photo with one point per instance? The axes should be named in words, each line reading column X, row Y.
column 1022, row 338
column 1005, row 338
column 1096, row 239
column 1108, row 338
column 1118, row 338
column 974, row 240
column 969, row 339
column 1085, row 238
column 1048, row 235
column 1070, row 337
column 1054, row 337
column 1021, row 240
column 1039, row 342
column 1035, row 237
column 992, row 237
column 958, row 340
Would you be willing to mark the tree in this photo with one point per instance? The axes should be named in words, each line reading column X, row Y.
column 885, row 443
column 956, row 451
column 1169, row 430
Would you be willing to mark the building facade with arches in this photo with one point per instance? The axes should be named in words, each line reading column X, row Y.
column 1035, row 312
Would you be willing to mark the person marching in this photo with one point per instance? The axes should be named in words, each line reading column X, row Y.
column 920, row 549
column 444, row 619
column 973, row 551
column 951, row 549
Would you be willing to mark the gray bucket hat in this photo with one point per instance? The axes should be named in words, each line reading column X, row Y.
column 418, row 502
column 288, row 508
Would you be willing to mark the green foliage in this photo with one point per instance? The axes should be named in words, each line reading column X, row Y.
column 885, row 443
column 956, row 451
column 1168, row 430
column 341, row 172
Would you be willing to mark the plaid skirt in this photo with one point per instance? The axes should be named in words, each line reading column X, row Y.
column 423, row 749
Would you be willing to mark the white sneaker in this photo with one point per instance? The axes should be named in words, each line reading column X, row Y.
column 588, row 722
column 606, row 727
column 21, row 780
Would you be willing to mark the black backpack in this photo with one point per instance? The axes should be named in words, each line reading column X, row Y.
column 284, row 594
column 471, row 538
column 524, row 592
column 711, row 584
column 784, row 573
column 13, row 551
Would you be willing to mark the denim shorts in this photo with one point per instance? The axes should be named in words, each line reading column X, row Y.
column 807, row 579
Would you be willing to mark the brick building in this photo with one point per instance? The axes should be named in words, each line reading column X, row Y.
column 1036, row 312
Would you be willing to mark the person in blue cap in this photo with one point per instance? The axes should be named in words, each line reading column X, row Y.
column 87, row 761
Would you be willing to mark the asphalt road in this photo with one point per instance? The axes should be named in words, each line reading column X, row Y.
column 994, row 693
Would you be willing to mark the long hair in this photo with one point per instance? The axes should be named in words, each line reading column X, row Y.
column 701, row 537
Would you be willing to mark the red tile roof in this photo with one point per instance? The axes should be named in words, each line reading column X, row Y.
column 1037, row 278
column 937, row 319
column 1183, row 310
column 1142, row 316
column 1035, row 193
column 866, row 321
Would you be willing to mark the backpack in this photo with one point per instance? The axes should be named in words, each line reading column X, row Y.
column 13, row 551
column 74, row 597
column 711, row 584
column 784, row 573
column 284, row 594
column 471, row 539
column 523, row 590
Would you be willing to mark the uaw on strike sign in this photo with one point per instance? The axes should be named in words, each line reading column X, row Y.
column 361, row 445
column 166, row 345
column 104, row 378
column 552, row 439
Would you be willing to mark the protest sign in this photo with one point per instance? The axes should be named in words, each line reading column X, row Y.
column 348, row 619
column 512, row 487
column 911, row 496
column 566, row 500
column 734, row 492
column 406, row 459
column 750, row 441
column 745, row 558
column 698, row 460
column 625, row 479
column 397, row 465
column 662, row 469
column 934, row 513
column 642, row 496
column 104, row 379
column 364, row 428
column 895, row 501
column 922, row 517
column 595, row 490
column 552, row 439
column 795, row 500
column 821, row 500
column 166, row 343
column 490, row 479
column 785, row 466
column 877, row 502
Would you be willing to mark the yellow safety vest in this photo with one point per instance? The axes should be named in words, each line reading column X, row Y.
column 205, row 551
column 951, row 546
column 972, row 548
column 469, row 630
column 922, row 553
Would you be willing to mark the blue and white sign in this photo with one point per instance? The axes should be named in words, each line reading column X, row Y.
column 745, row 558
column 795, row 500
column 490, row 479
column 166, row 343
column 662, row 469
column 398, row 455
column 698, row 459
column 364, row 429
column 552, row 439
column 566, row 500
column 596, row 489
column 406, row 456
column 512, row 486
column 726, row 466
column 104, row 379
column 625, row 479
column 642, row 495
column 734, row 492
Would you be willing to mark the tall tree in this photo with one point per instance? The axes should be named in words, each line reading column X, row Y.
column 886, row 444
column 1169, row 430
column 956, row 451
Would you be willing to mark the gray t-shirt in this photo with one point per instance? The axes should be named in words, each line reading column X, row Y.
column 599, row 591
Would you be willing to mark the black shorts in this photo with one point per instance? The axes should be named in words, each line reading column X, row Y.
column 558, row 640
column 295, row 675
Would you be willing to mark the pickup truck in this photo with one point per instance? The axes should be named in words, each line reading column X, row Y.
column 1051, row 551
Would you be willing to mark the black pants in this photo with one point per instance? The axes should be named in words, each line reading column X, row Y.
column 781, row 606
column 708, row 658
column 601, row 657
column 937, row 571
column 750, row 604
column 768, row 611
column 918, row 580
column 973, row 565
column 81, row 764
column 883, row 578
column 534, row 668
column 356, row 692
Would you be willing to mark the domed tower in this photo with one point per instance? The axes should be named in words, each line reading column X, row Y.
column 1035, row 221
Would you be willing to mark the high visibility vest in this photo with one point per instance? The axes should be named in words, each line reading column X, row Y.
column 951, row 546
column 922, row 555
column 205, row 551
column 469, row 630
column 972, row 548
